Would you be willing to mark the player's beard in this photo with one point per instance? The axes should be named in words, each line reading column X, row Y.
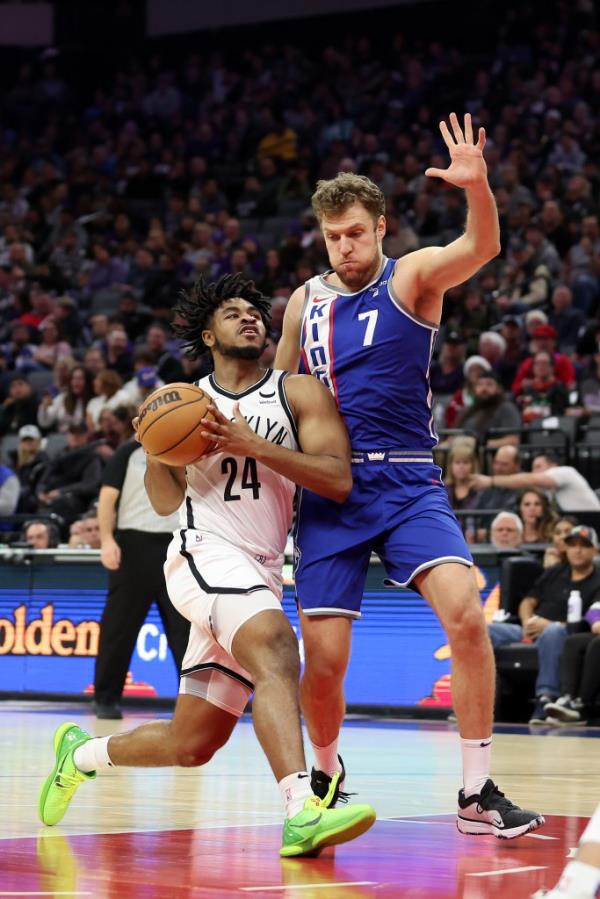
column 359, row 277
column 249, row 352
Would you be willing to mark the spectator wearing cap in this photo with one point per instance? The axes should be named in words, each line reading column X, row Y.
column 446, row 373
column 69, row 406
column 544, row 338
column 565, row 319
column 71, row 480
column 533, row 318
column 20, row 406
column 490, row 411
column 28, row 461
column 543, row 613
column 570, row 489
column 142, row 384
column 464, row 397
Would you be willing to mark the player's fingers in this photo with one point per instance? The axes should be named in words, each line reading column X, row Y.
column 456, row 129
column 468, row 128
column 436, row 173
column 236, row 411
column 481, row 142
column 216, row 413
column 446, row 135
column 214, row 427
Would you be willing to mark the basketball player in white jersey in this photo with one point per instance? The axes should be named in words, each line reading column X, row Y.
column 223, row 570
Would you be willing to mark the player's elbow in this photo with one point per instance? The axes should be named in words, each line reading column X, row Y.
column 341, row 487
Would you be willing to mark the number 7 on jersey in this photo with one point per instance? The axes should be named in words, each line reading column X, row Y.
column 371, row 318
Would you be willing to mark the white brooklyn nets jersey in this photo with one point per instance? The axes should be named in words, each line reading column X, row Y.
column 235, row 497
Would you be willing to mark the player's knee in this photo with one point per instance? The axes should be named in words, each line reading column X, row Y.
column 197, row 752
column 467, row 625
column 278, row 657
column 325, row 667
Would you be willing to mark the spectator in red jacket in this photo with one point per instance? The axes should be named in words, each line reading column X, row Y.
column 544, row 339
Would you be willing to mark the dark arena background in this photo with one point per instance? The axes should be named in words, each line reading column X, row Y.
column 144, row 143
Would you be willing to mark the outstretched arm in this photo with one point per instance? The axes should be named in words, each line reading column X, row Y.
column 422, row 277
column 324, row 463
column 520, row 481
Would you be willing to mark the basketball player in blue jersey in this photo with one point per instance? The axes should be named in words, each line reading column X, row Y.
column 366, row 329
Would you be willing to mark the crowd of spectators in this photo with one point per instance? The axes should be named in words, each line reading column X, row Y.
column 113, row 199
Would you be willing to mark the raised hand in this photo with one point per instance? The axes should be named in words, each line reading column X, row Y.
column 467, row 165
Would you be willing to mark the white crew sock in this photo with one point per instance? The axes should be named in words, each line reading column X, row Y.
column 326, row 758
column 579, row 879
column 93, row 755
column 476, row 763
column 295, row 789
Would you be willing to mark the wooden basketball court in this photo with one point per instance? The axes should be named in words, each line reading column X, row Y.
column 215, row 831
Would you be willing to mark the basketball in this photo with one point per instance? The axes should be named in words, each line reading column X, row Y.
column 170, row 424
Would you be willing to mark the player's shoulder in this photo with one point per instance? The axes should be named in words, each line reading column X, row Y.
column 305, row 388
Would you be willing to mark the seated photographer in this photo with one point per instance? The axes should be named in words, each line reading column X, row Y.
column 543, row 613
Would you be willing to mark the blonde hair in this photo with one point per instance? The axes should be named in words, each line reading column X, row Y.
column 460, row 452
column 332, row 198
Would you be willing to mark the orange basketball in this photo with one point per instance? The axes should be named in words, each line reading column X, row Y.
column 170, row 424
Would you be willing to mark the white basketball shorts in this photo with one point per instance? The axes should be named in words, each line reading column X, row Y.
column 217, row 587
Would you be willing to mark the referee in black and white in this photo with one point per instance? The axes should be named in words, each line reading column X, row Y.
column 134, row 542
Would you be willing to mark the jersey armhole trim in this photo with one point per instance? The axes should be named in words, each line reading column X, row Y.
column 425, row 323
column 286, row 405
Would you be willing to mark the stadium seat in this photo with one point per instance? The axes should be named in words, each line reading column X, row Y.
column 516, row 663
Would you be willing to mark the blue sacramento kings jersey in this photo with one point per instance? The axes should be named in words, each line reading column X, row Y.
column 374, row 356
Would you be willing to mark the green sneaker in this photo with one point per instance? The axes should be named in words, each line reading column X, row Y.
column 317, row 826
column 59, row 787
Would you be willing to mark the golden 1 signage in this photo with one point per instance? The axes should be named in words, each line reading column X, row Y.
column 43, row 636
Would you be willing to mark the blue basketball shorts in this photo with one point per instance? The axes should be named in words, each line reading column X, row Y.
column 397, row 509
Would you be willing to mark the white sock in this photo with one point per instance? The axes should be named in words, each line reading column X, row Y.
column 326, row 758
column 93, row 755
column 476, row 763
column 579, row 879
column 295, row 790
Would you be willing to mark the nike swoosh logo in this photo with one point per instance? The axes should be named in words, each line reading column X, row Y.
column 486, row 744
column 266, row 396
column 302, row 776
column 310, row 823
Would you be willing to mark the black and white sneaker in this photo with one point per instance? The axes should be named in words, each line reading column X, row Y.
column 492, row 813
column 565, row 710
column 320, row 783
column 538, row 716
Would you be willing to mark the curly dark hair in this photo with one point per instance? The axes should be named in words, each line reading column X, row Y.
column 197, row 305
